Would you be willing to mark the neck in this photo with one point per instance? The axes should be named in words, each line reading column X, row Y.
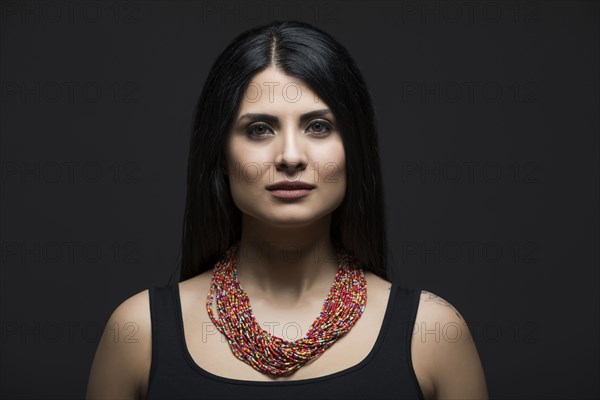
column 286, row 264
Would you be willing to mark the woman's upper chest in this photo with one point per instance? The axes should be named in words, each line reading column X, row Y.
column 211, row 351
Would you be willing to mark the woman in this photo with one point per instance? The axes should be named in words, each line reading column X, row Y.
column 284, row 232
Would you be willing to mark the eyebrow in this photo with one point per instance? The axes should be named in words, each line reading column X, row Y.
column 272, row 119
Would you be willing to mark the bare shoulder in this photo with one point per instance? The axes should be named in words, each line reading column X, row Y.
column 122, row 361
column 193, row 290
column 444, row 353
column 132, row 318
column 434, row 306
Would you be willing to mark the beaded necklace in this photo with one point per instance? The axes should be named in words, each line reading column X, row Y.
column 273, row 355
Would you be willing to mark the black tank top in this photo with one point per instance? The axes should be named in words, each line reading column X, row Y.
column 386, row 373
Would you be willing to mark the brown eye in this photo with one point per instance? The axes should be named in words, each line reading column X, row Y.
column 321, row 127
column 257, row 130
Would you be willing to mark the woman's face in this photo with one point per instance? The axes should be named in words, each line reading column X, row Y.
column 294, row 140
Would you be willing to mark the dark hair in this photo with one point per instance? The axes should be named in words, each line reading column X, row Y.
column 212, row 222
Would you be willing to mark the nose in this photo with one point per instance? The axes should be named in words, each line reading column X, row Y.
column 291, row 153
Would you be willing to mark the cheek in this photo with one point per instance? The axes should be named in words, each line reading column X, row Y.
column 332, row 169
column 245, row 165
column 333, row 157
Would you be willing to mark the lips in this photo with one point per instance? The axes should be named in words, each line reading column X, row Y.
column 285, row 185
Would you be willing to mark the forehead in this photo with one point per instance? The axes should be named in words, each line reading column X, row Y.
column 273, row 90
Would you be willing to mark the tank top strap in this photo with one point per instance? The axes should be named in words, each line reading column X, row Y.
column 398, row 337
column 406, row 305
column 166, row 346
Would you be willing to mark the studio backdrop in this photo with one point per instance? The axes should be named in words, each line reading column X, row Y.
column 488, row 128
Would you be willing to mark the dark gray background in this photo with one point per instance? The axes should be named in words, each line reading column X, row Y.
column 488, row 116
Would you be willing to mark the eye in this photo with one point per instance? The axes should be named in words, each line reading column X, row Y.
column 257, row 129
column 320, row 128
column 323, row 127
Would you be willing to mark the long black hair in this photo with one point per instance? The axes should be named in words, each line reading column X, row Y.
column 212, row 222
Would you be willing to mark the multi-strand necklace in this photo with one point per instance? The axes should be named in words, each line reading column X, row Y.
column 273, row 355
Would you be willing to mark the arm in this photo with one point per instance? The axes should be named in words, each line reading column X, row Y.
column 445, row 352
column 122, row 361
